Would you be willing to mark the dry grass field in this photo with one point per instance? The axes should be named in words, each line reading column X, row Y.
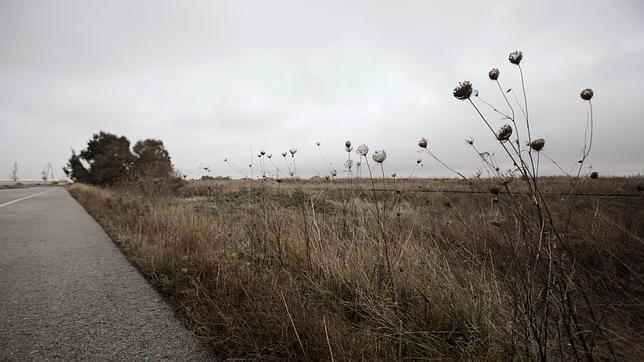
column 394, row 269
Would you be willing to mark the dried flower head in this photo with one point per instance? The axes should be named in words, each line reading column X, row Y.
column 494, row 189
column 362, row 150
column 269, row 155
column 262, row 152
column 334, row 173
column 594, row 175
column 463, row 90
column 494, row 74
column 318, row 143
column 422, row 143
column 515, row 57
column 393, row 175
column 284, row 154
column 504, row 132
column 379, row 156
column 358, row 164
column 347, row 144
column 469, row 141
column 292, row 151
column 419, row 161
column 587, row 94
column 291, row 173
column 348, row 164
column 538, row 144
column 225, row 160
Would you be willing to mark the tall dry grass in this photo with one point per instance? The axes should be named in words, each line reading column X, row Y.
column 297, row 270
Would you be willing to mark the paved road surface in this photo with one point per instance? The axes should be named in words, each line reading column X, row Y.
column 67, row 292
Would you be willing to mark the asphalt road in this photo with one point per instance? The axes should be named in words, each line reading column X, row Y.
column 67, row 292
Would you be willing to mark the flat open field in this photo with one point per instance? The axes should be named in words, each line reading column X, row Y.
column 393, row 269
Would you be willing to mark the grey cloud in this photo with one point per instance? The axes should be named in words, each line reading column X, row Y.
column 212, row 78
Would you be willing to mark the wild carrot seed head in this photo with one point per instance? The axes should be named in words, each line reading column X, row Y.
column 463, row 90
column 515, row 57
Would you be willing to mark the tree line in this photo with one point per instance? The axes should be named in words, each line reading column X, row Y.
column 108, row 160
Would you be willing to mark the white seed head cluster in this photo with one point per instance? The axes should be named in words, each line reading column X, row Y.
column 538, row 144
column 494, row 74
column 515, row 57
column 504, row 132
column 362, row 150
column 463, row 90
column 379, row 156
column 587, row 94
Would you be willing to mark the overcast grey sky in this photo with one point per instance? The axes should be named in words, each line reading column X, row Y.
column 210, row 78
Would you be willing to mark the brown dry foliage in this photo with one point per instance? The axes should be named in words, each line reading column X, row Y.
column 267, row 270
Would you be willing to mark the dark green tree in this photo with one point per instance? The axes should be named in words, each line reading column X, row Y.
column 109, row 159
column 75, row 169
column 152, row 160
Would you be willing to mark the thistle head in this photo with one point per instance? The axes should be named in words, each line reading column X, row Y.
column 515, row 57
column 292, row 151
column 538, row 144
column 504, row 132
column 262, row 153
column 422, row 143
column 470, row 141
column 379, row 156
column 362, row 150
column 587, row 94
column 284, row 154
column 347, row 144
column 494, row 74
column 463, row 90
